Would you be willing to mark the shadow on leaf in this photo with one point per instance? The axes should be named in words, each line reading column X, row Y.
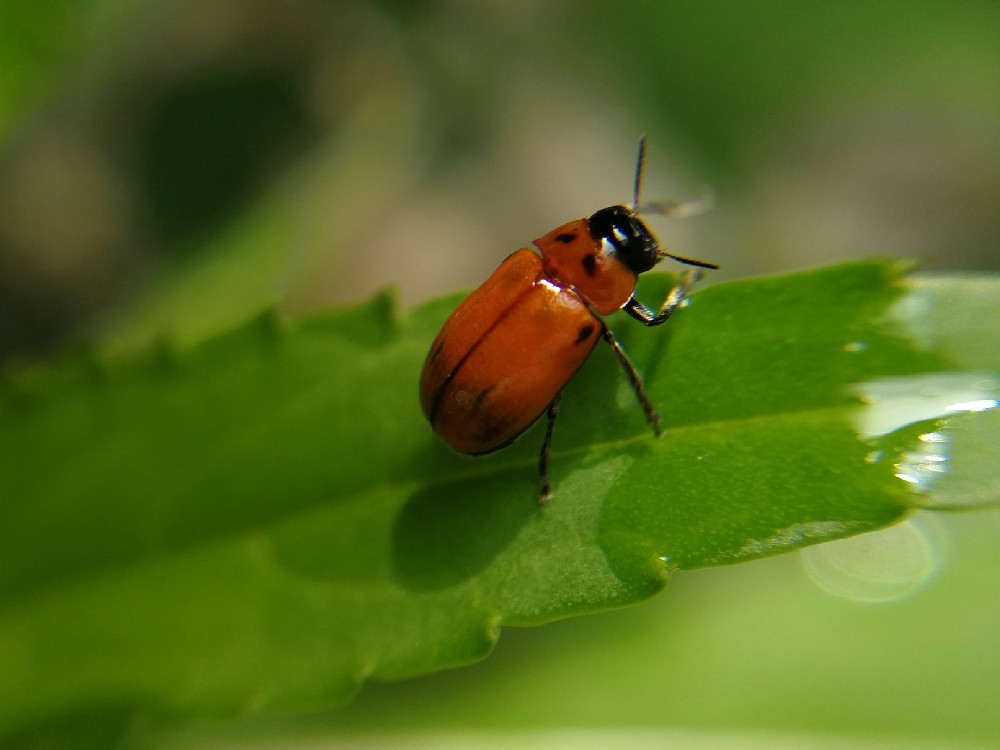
column 432, row 547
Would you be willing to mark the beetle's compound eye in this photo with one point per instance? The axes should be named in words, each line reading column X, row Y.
column 626, row 237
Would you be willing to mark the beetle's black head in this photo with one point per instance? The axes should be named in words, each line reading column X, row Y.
column 626, row 235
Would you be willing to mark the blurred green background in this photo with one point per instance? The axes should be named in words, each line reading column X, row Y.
column 168, row 167
column 171, row 166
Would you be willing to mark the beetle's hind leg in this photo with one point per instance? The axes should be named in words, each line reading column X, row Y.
column 545, row 491
column 636, row 382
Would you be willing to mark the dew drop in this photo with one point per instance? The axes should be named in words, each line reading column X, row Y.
column 927, row 461
column 892, row 403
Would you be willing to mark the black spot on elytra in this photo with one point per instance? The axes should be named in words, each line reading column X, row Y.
column 478, row 400
column 437, row 352
column 584, row 334
column 566, row 237
column 490, row 430
column 590, row 264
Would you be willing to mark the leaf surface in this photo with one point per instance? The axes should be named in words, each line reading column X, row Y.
column 264, row 520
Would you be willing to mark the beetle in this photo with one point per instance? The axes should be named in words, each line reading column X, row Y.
column 504, row 355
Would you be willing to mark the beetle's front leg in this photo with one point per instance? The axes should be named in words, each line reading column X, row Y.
column 675, row 298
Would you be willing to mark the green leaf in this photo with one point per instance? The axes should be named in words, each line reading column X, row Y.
column 264, row 520
column 747, row 656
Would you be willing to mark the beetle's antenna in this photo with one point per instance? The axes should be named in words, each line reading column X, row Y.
column 639, row 163
column 670, row 208
column 687, row 261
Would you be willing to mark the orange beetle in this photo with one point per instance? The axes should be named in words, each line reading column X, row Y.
column 506, row 352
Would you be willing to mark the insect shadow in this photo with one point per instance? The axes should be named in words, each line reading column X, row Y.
column 448, row 533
